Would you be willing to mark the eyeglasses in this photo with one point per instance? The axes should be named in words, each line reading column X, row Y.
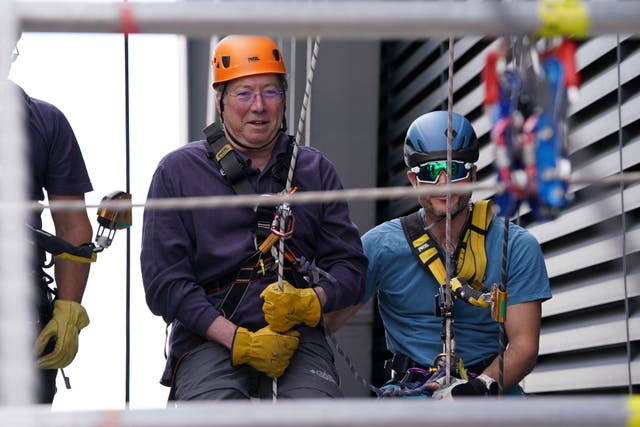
column 429, row 172
column 268, row 95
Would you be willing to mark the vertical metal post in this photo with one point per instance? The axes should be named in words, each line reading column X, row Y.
column 291, row 70
column 198, row 70
column 17, row 376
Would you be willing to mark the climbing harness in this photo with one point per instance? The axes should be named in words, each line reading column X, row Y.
column 267, row 219
column 471, row 258
column 527, row 91
column 425, row 248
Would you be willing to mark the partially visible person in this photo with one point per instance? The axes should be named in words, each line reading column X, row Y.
column 405, row 287
column 210, row 272
column 56, row 166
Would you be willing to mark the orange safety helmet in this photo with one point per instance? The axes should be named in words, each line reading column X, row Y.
column 245, row 55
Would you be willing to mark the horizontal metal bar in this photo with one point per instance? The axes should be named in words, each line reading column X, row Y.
column 345, row 19
column 532, row 412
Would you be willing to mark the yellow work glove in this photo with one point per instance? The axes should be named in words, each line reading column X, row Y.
column 69, row 318
column 265, row 350
column 286, row 308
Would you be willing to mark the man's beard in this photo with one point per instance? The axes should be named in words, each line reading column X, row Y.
column 455, row 209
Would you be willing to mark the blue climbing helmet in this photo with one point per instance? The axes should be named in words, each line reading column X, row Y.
column 426, row 139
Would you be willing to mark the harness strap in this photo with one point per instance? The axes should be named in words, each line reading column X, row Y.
column 425, row 248
column 232, row 167
column 219, row 149
column 473, row 267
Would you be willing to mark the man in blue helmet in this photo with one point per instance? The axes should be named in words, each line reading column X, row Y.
column 406, row 287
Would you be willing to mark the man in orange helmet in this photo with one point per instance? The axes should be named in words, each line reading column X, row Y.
column 212, row 273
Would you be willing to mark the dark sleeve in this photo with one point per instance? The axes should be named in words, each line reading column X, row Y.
column 166, row 261
column 66, row 170
column 339, row 249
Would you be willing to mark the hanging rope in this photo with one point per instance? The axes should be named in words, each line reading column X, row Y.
column 303, row 110
column 502, row 336
column 448, row 302
column 294, row 154
column 284, row 211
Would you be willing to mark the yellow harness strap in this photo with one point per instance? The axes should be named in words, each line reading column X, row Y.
column 472, row 256
column 474, row 266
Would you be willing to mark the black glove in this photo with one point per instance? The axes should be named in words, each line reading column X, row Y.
column 483, row 385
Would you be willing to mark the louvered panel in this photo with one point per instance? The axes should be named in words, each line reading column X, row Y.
column 606, row 164
column 605, row 124
column 596, row 251
column 594, row 49
column 408, row 93
column 606, row 82
column 469, row 103
column 439, row 94
column 588, row 214
column 635, row 370
column 595, row 291
column 407, row 67
column 581, row 333
column 595, row 372
column 418, row 85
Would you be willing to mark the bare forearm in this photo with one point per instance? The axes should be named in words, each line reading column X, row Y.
column 73, row 227
column 71, row 279
column 222, row 331
column 336, row 319
column 523, row 332
column 517, row 364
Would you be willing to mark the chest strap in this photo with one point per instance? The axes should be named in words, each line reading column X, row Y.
column 471, row 262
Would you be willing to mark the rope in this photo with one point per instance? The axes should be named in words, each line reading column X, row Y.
column 448, row 311
column 305, row 197
column 292, row 166
column 502, row 336
column 303, row 110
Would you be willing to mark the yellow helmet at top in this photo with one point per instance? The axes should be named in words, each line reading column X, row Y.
column 245, row 55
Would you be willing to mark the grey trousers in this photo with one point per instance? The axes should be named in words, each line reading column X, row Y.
column 206, row 373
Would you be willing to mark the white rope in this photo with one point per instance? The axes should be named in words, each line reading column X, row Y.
column 292, row 165
column 448, row 298
column 303, row 110
column 305, row 197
